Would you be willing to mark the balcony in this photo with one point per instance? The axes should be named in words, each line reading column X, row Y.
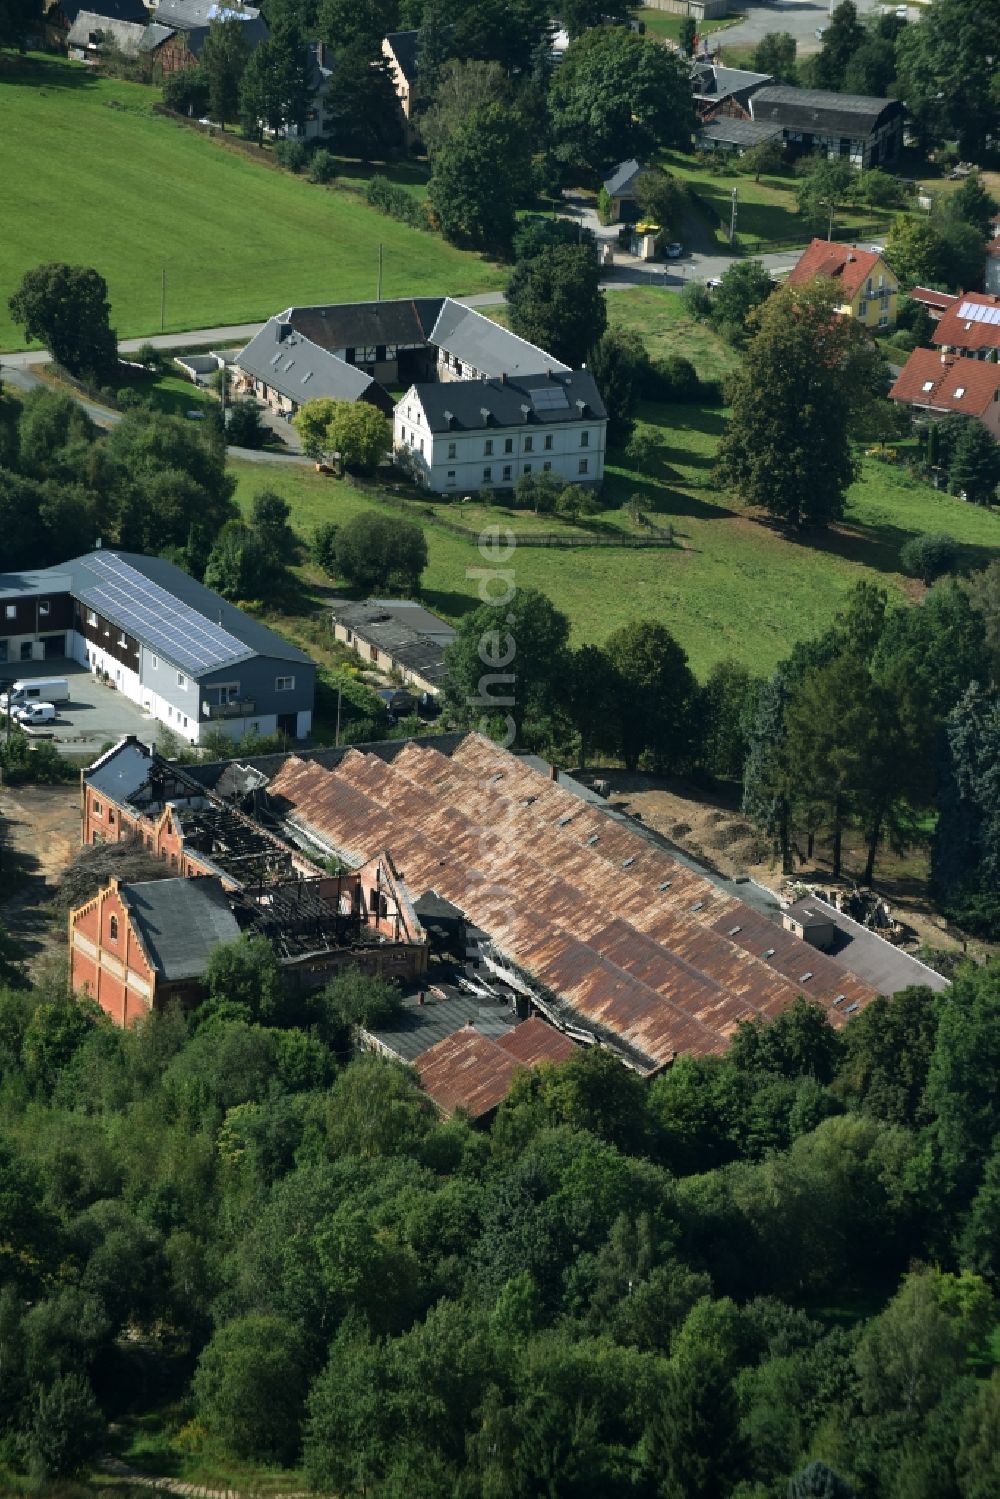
column 241, row 708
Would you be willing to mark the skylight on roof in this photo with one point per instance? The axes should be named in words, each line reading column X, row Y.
column 928, row 385
column 959, row 392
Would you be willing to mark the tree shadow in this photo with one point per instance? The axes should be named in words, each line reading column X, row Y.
column 38, row 72
column 874, row 547
column 445, row 601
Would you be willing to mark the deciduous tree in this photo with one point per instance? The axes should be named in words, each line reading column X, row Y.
column 66, row 307
column 556, row 302
column 617, row 95
column 478, row 178
column 786, row 449
column 380, row 552
column 656, row 696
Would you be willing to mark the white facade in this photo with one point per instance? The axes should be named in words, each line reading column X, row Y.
column 495, row 457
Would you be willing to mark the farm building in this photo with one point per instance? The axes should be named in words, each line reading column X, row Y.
column 397, row 635
column 191, row 659
column 867, row 132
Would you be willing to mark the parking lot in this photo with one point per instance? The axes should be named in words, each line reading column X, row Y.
column 93, row 715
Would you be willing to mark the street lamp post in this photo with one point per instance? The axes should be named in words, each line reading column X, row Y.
column 732, row 218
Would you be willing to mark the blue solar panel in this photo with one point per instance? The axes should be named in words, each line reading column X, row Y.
column 179, row 633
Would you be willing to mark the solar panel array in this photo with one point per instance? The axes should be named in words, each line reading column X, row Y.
column 975, row 312
column 179, row 633
column 549, row 398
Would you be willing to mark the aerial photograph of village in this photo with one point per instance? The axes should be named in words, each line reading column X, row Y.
column 500, row 749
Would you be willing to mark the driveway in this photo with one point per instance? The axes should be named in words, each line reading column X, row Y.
column 800, row 18
column 94, row 714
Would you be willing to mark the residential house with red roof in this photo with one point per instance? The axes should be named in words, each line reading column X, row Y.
column 971, row 327
column 867, row 287
column 944, row 383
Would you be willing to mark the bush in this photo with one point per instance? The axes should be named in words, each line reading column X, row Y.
column 322, row 166
column 929, row 557
column 245, row 428
column 396, row 202
column 324, row 546
column 697, row 299
column 292, row 155
column 675, row 379
column 150, row 357
column 129, row 399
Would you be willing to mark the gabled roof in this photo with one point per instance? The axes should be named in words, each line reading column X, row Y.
column 620, row 183
column 947, row 382
column 298, row 368
column 180, row 922
column 33, row 582
column 126, row 35
column 933, row 300
column 188, row 14
column 971, row 321
column 479, row 405
column 848, row 265
column 173, row 614
column 404, row 50
column 121, row 771
column 467, row 1071
column 350, row 325
column 821, row 111
column 154, row 35
column 535, row 1042
column 480, row 342
column 408, row 633
column 712, row 82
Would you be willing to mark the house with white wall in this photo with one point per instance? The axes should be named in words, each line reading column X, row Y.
column 463, row 435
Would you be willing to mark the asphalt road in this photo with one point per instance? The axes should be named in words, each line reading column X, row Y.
column 801, row 18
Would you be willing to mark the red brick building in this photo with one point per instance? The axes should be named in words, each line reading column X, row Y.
column 135, row 947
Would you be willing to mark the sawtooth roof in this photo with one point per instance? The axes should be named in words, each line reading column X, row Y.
column 934, row 380
column 180, row 922
column 817, row 111
column 971, row 321
column 618, row 939
column 474, row 1072
column 848, row 265
column 475, row 405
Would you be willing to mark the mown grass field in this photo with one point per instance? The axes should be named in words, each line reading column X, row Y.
column 92, row 176
column 733, row 587
column 668, row 27
column 766, row 210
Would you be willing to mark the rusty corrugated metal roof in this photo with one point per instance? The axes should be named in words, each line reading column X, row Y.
column 534, row 1041
column 467, row 1071
column 632, row 940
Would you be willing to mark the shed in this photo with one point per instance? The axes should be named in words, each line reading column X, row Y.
column 811, row 922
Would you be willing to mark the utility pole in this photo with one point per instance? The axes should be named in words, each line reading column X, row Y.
column 163, row 296
column 732, row 219
column 828, row 203
column 378, row 289
column 340, row 692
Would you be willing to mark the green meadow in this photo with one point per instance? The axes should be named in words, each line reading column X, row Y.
column 92, row 175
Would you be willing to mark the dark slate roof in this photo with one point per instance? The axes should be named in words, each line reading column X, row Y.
column 620, row 182
column 486, row 346
column 411, row 635
column 422, row 1025
column 293, row 365
column 121, row 772
column 188, row 598
column 349, row 325
column 115, row 10
column 459, row 405
column 153, row 35
column 404, row 49
column 188, row 14
column 733, row 132
column 820, row 111
column 180, row 922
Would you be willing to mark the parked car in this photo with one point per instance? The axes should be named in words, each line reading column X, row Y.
column 820, row 32
column 35, row 690
column 674, row 251
column 34, row 713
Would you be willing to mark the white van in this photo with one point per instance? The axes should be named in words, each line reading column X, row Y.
column 35, row 713
column 35, row 690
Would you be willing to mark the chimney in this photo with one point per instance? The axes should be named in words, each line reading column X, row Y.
column 553, row 773
column 503, row 377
